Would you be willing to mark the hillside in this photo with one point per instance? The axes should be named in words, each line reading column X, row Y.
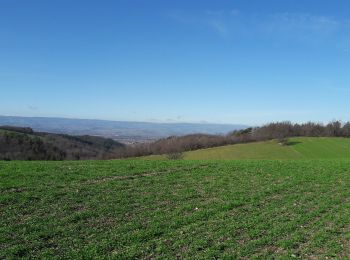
column 175, row 209
column 18, row 143
column 298, row 148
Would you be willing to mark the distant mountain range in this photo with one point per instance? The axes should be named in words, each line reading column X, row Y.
column 124, row 131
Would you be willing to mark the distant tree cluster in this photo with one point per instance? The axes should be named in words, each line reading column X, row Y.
column 173, row 146
column 17, row 146
column 288, row 129
column 23, row 130
column 24, row 144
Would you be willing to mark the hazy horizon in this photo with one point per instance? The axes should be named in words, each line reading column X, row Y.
column 114, row 120
column 227, row 62
column 155, row 121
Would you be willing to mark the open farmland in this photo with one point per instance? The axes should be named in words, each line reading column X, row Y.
column 194, row 209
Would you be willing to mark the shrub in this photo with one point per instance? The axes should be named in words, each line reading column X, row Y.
column 283, row 141
column 175, row 156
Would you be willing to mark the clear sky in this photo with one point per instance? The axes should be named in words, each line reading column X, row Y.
column 223, row 61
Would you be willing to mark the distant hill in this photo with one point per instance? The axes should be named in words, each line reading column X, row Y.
column 22, row 143
column 127, row 132
column 298, row 148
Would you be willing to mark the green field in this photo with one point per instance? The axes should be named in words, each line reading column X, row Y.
column 169, row 209
column 298, row 148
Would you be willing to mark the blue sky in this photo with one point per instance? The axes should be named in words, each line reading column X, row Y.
column 245, row 61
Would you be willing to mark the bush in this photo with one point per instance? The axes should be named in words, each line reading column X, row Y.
column 283, row 141
column 175, row 156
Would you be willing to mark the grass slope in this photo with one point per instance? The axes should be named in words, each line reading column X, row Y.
column 189, row 209
column 299, row 148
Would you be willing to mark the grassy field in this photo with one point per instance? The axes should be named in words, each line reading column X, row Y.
column 299, row 148
column 169, row 209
